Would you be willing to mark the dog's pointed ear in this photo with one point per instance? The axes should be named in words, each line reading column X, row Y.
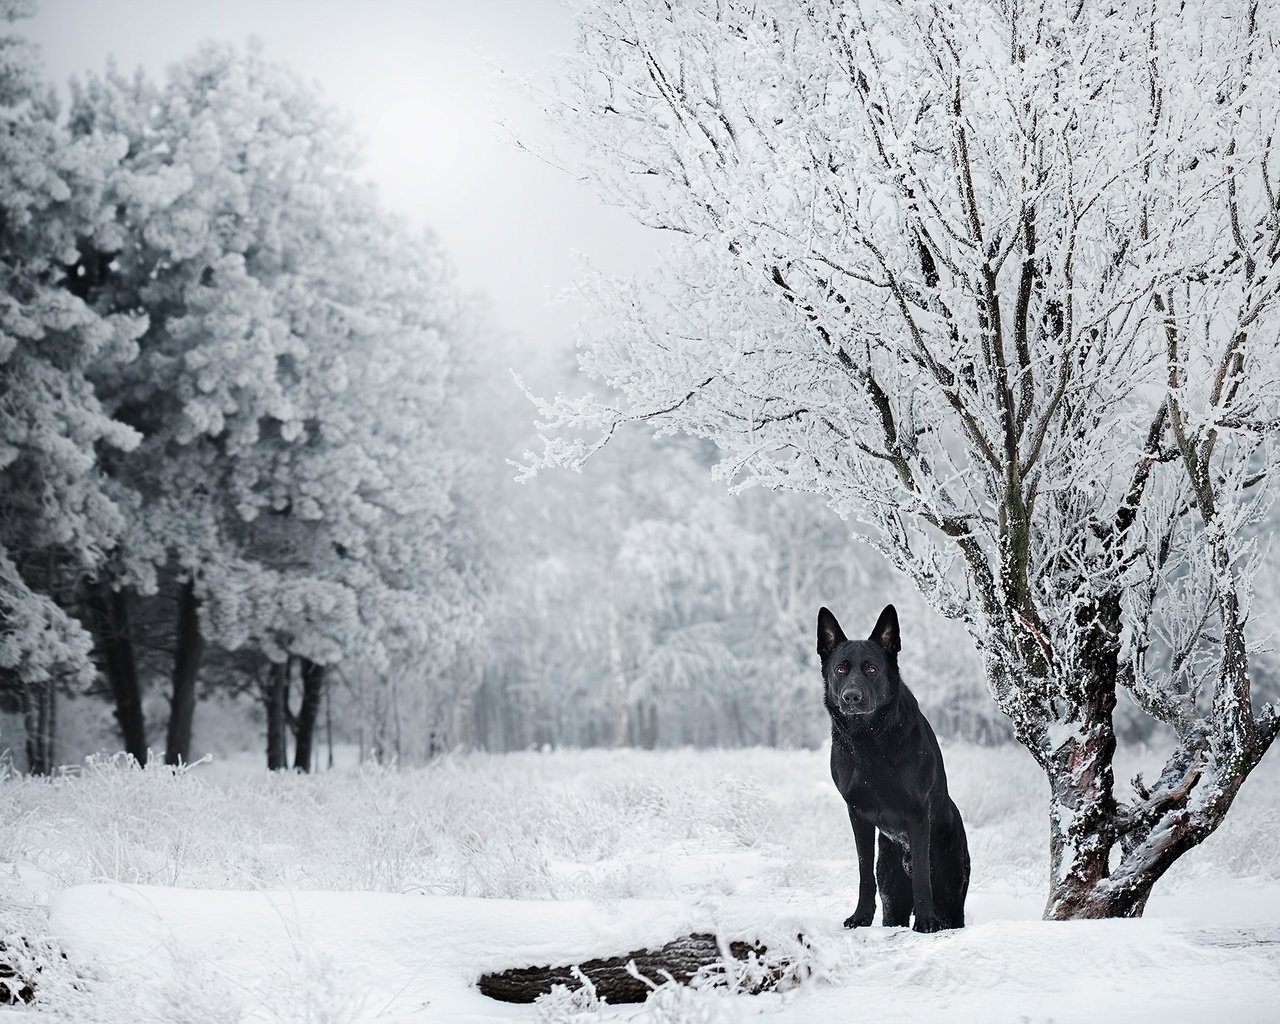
column 886, row 632
column 830, row 635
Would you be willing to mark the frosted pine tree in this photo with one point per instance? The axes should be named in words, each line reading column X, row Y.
column 289, row 387
column 999, row 281
column 57, row 521
column 352, row 543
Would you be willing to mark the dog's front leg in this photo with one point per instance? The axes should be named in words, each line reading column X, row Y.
column 926, row 920
column 864, row 837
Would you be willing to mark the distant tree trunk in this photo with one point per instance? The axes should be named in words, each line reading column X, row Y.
column 313, row 680
column 278, row 715
column 644, row 725
column 328, row 719
column 488, row 724
column 186, row 668
column 395, row 713
column 618, row 680
column 109, row 611
column 739, row 726
column 39, row 710
column 515, row 727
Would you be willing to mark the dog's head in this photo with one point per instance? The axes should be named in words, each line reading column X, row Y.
column 860, row 675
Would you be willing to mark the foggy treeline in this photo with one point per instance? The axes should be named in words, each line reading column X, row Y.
column 254, row 488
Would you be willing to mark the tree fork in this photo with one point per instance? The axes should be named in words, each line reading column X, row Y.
column 1124, row 893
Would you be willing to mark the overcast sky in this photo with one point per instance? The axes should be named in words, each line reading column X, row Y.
column 420, row 78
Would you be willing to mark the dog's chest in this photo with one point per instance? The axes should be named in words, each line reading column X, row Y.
column 870, row 789
column 858, row 780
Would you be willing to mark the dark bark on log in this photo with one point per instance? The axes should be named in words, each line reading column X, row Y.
column 313, row 677
column 15, row 986
column 186, row 667
column 277, row 700
column 109, row 610
column 682, row 958
column 22, row 961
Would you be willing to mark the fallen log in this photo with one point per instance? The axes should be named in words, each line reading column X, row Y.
column 616, row 981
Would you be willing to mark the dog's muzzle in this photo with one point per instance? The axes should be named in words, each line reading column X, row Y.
column 850, row 699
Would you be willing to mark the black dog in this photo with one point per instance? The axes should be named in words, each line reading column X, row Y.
column 886, row 763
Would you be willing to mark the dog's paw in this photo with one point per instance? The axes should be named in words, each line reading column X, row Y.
column 927, row 923
column 859, row 918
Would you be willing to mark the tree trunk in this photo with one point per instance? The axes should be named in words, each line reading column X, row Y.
column 188, row 649
column 682, row 958
column 644, row 725
column 39, row 709
column 395, row 715
column 618, row 681
column 1082, row 819
column 109, row 610
column 277, row 715
column 313, row 685
column 328, row 720
column 1081, row 828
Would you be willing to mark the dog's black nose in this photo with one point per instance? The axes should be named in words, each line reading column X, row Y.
column 851, row 696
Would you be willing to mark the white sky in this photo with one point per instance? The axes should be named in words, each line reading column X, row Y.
column 420, row 79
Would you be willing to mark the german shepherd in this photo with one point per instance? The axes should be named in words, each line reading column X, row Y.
column 886, row 764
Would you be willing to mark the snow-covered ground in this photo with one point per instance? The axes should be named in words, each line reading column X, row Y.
column 227, row 895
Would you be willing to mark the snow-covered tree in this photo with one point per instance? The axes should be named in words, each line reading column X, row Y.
column 998, row 279
column 57, row 521
column 290, row 387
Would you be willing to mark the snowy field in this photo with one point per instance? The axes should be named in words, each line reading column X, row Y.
column 227, row 895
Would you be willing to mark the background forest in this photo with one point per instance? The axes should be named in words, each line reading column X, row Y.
column 255, row 488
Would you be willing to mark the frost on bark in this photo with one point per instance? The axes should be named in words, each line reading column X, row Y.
column 999, row 281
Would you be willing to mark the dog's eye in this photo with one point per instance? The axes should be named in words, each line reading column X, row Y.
column 870, row 670
column 842, row 669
